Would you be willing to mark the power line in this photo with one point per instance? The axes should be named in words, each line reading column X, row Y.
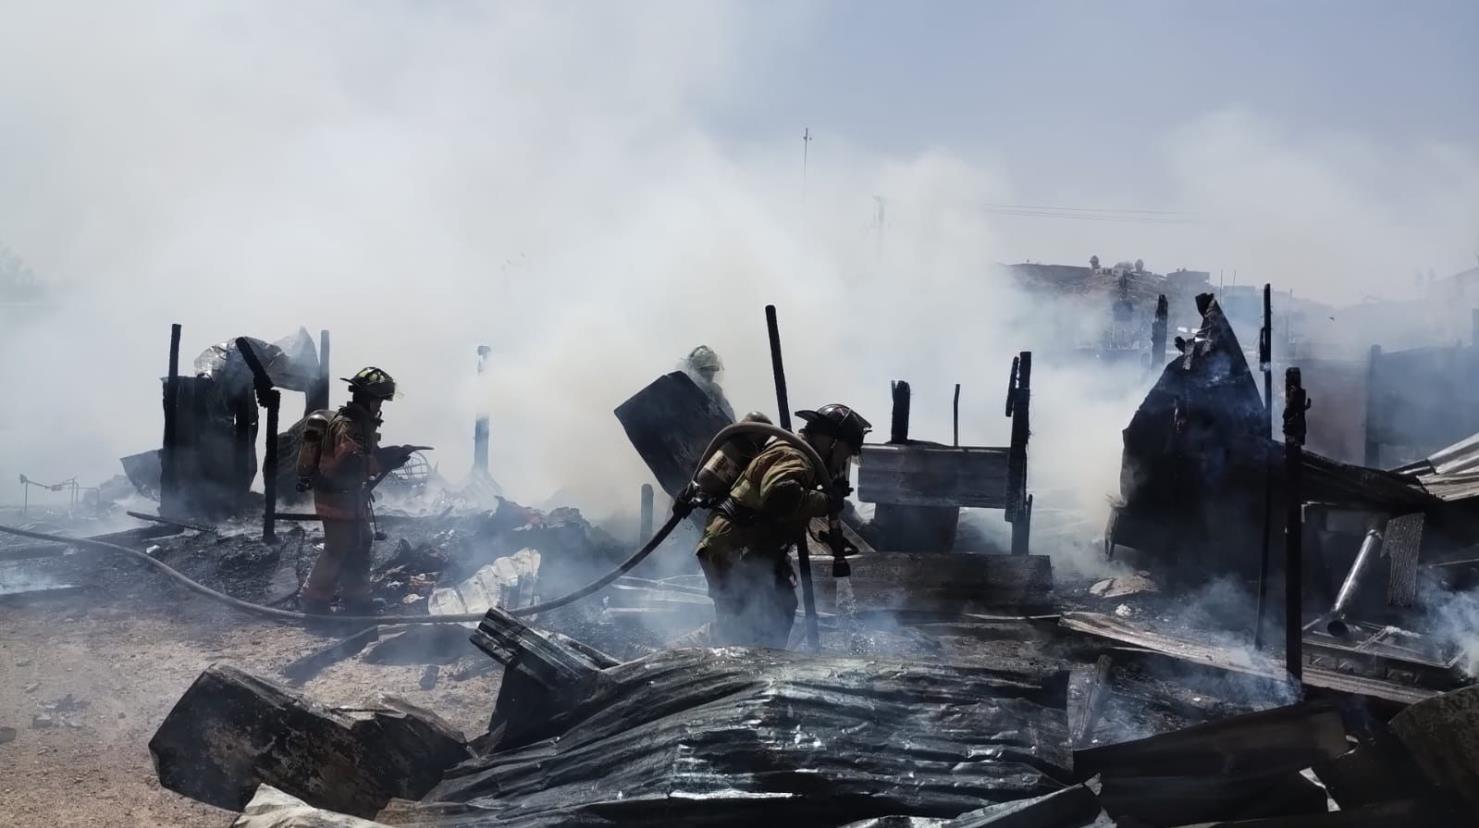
column 1087, row 216
column 1091, row 209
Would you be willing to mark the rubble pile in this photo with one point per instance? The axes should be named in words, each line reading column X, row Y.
column 743, row 737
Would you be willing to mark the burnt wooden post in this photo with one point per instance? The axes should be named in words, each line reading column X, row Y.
column 269, row 398
column 169, row 451
column 803, row 554
column 1373, row 425
column 898, row 430
column 318, row 398
column 1266, row 364
column 1158, row 330
column 778, row 368
column 955, row 417
column 244, row 420
column 480, row 427
column 1295, row 405
column 1019, row 505
column 644, row 531
column 269, row 469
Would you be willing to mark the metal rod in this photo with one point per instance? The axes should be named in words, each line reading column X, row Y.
column 169, row 454
column 955, row 417
column 803, row 553
column 1265, row 364
column 1335, row 620
column 644, row 532
column 1295, row 405
column 480, row 427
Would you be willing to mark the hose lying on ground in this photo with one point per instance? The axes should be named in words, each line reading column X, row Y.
column 681, row 508
column 302, row 617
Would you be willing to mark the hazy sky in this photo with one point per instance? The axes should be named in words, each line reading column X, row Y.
column 594, row 188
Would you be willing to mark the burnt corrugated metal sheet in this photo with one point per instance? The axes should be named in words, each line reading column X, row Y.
column 1451, row 474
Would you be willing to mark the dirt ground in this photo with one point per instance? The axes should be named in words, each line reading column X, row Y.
column 125, row 659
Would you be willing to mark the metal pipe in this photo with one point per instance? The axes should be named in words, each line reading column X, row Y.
column 1335, row 619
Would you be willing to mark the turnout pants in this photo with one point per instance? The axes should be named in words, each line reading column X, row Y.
column 754, row 597
column 344, row 563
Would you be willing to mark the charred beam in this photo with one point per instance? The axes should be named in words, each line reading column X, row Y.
column 898, row 431
column 1296, row 403
column 169, row 455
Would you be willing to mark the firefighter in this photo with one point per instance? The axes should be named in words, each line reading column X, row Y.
column 743, row 551
column 703, row 366
column 348, row 458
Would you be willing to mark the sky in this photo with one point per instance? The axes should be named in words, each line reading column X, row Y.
column 592, row 189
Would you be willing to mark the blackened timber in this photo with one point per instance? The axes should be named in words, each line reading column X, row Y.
column 1019, row 506
column 955, row 416
column 301, row 669
column 924, row 585
column 233, row 731
column 554, row 667
column 269, row 469
column 898, row 432
column 169, row 465
column 1234, row 659
column 1295, row 406
column 269, row 398
column 921, row 475
column 1402, row 545
column 1265, row 364
column 803, row 552
column 778, row 367
column 1158, row 330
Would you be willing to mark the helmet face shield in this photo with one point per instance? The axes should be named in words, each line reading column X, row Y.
column 372, row 382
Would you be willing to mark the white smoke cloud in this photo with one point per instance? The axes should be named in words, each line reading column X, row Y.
column 421, row 179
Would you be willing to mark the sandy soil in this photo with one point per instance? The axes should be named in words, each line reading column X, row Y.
column 128, row 658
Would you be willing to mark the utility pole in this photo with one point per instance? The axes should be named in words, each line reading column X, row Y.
column 805, row 148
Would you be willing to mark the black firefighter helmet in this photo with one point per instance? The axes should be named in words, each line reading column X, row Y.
column 838, row 421
column 372, row 382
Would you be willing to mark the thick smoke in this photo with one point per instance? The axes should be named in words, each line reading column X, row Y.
column 423, row 179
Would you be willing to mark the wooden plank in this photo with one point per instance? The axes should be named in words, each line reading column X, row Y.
column 933, row 476
column 1238, row 661
column 1287, row 738
column 1401, row 544
column 929, row 585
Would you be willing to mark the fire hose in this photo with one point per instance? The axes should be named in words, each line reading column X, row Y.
column 682, row 507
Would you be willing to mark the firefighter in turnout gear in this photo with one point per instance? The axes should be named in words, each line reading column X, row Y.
column 341, row 456
column 744, row 548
